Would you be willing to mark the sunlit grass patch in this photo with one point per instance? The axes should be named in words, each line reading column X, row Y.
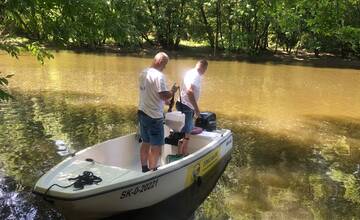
column 190, row 43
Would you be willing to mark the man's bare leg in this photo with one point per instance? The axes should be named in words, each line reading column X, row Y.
column 144, row 155
column 155, row 152
column 183, row 148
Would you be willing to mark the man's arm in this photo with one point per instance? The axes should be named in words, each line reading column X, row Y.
column 166, row 95
column 190, row 94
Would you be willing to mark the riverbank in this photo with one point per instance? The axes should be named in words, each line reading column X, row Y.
column 303, row 58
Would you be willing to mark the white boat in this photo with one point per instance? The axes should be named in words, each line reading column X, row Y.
column 124, row 189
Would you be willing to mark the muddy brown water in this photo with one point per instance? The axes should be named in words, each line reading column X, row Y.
column 296, row 131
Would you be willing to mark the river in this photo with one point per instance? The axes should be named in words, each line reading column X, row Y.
column 296, row 131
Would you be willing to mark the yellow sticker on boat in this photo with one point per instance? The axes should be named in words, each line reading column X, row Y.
column 202, row 166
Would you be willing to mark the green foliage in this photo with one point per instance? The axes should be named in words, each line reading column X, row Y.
column 287, row 25
column 39, row 52
column 245, row 26
column 79, row 23
column 3, row 84
column 168, row 19
column 248, row 25
column 349, row 37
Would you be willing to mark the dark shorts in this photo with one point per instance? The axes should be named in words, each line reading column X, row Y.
column 151, row 129
column 189, row 115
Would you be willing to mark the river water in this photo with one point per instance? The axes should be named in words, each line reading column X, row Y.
column 296, row 131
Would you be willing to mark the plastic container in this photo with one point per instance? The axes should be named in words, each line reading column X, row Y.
column 175, row 120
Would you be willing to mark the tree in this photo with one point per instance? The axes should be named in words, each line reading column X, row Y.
column 239, row 26
column 168, row 19
column 287, row 24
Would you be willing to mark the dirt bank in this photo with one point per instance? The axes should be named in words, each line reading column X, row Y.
column 303, row 58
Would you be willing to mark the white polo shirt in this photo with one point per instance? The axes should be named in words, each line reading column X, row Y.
column 192, row 77
column 151, row 82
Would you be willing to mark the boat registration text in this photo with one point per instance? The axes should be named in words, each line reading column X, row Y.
column 139, row 188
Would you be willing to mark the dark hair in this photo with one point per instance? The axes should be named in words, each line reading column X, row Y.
column 203, row 62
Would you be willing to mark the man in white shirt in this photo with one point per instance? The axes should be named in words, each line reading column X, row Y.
column 188, row 104
column 153, row 94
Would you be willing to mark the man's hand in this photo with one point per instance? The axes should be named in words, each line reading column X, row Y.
column 197, row 113
column 167, row 95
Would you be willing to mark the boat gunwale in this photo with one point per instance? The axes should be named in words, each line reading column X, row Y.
column 169, row 169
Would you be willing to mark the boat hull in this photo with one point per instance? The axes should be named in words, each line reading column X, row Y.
column 183, row 204
column 183, row 188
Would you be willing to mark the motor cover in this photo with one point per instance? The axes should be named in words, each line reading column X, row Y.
column 207, row 121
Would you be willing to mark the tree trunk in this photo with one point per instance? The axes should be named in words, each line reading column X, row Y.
column 207, row 26
column 230, row 24
column 168, row 37
column 218, row 11
column 178, row 31
column 297, row 50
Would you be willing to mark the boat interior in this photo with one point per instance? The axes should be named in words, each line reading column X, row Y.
column 118, row 160
column 124, row 152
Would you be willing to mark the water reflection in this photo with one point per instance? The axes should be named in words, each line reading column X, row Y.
column 279, row 176
column 32, row 130
column 304, row 172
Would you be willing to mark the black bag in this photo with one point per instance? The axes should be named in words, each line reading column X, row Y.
column 174, row 137
column 206, row 121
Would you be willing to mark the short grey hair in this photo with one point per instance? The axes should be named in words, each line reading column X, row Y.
column 159, row 57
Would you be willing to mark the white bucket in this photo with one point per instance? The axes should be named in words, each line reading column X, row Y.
column 175, row 120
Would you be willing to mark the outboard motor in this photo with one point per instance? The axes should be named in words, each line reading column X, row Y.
column 175, row 121
column 206, row 121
